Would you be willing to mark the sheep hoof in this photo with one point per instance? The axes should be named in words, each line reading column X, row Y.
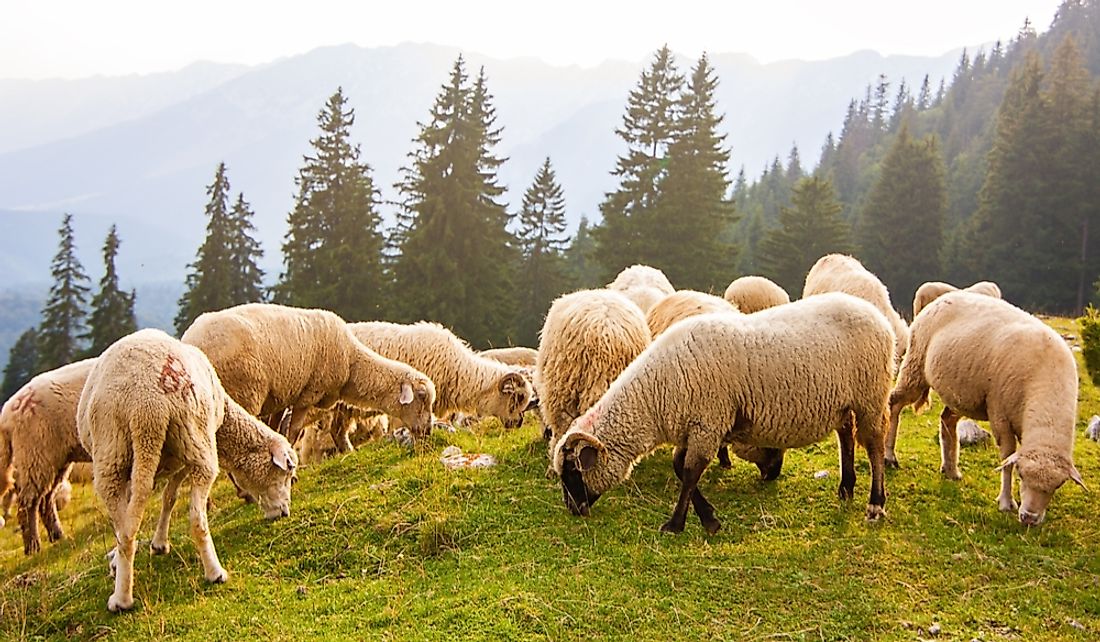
column 845, row 492
column 875, row 513
column 32, row 547
column 159, row 549
column 118, row 605
column 672, row 526
column 954, row 475
column 712, row 526
column 219, row 576
column 1008, row 505
column 55, row 536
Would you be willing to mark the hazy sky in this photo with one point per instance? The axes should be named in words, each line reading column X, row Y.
column 73, row 38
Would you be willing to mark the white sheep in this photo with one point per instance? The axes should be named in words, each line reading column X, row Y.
column 38, row 441
column 841, row 273
column 755, row 293
column 150, row 405
column 930, row 291
column 339, row 429
column 683, row 304
column 990, row 360
column 782, row 378
column 464, row 381
column 588, row 338
column 272, row 357
column 642, row 284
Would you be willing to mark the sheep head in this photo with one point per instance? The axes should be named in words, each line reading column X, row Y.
column 414, row 405
column 576, row 454
column 507, row 399
column 268, row 474
column 1041, row 473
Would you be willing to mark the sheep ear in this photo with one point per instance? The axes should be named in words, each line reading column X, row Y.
column 1076, row 476
column 1010, row 460
column 406, row 394
column 510, row 383
column 586, row 449
column 283, row 457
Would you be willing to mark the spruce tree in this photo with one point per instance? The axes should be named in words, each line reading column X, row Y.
column 582, row 269
column 809, row 229
column 455, row 254
column 112, row 314
column 332, row 253
column 900, row 229
column 22, row 364
column 542, row 241
column 685, row 230
column 224, row 273
column 65, row 312
column 649, row 128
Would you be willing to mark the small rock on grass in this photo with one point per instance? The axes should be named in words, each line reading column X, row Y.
column 971, row 434
column 821, row 474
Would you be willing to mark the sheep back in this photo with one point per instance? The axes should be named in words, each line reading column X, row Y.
column 755, row 293
column 681, row 305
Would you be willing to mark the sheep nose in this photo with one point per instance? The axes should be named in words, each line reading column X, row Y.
column 285, row 511
column 1027, row 518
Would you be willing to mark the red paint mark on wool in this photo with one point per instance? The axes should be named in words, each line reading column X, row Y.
column 590, row 417
column 25, row 401
column 174, row 377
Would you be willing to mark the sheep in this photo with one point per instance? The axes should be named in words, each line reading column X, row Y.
column 271, row 357
column 755, row 293
column 781, row 378
column 514, row 356
column 588, row 338
column 841, row 273
column 150, row 405
column 681, row 305
column 930, row 291
column 464, row 381
column 339, row 429
column 642, row 284
column 990, row 360
column 38, row 440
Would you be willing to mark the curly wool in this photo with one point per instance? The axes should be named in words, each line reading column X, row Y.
column 681, row 305
column 755, row 293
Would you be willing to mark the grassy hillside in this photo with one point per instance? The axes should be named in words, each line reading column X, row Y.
column 384, row 545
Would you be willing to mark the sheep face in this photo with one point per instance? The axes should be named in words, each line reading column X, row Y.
column 414, row 405
column 270, row 477
column 576, row 454
column 1041, row 474
column 508, row 399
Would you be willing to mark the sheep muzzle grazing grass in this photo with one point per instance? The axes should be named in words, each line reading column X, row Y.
column 415, row 408
column 580, row 452
column 1041, row 474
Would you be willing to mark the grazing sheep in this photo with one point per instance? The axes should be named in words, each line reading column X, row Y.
column 464, row 381
column 38, row 440
column 840, row 273
column 515, row 356
column 781, row 378
column 755, row 293
column 642, row 284
column 152, row 404
column 338, row 430
column 272, row 357
column 681, row 305
column 588, row 338
column 930, row 291
column 990, row 360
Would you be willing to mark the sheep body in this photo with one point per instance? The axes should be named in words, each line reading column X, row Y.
column 642, row 284
column 782, row 378
column 588, row 338
column 271, row 357
column 150, row 405
column 514, row 356
column 38, row 441
column 989, row 360
column 681, row 305
column 930, row 291
column 841, row 273
column 755, row 293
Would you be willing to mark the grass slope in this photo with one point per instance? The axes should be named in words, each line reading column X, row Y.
column 384, row 545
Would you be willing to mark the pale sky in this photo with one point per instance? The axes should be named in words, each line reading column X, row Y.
column 75, row 38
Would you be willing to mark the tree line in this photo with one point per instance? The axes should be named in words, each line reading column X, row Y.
column 993, row 175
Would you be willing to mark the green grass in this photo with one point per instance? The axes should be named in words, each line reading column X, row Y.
column 384, row 545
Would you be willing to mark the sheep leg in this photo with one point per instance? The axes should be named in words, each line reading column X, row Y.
column 47, row 510
column 296, row 423
column 871, row 432
column 949, row 444
column 142, row 473
column 724, row 457
column 28, row 520
column 901, row 397
column 341, row 427
column 693, row 470
column 1006, row 441
column 846, row 438
column 202, row 479
column 5, row 505
column 161, row 544
column 703, row 508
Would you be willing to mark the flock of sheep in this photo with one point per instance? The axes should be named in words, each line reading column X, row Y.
column 619, row 371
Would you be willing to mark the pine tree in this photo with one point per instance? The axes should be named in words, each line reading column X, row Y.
column 542, row 241
column 691, row 212
column 809, row 229
column 900, row 228
column 22, row 364
column 224, row 273
column 794, row 166
column 112, row 314
column 924, row 98
column 332, row 252
column 456, row 257
column 881, row 104
column 649, row 127
column 63, row 317
column 581, row 267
